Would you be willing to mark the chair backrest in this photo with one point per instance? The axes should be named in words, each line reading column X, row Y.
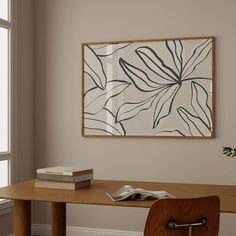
column 183, row 211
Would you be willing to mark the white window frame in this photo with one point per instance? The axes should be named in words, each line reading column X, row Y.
column 10, row 24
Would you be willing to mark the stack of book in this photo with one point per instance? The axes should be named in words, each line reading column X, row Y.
column 60, row 177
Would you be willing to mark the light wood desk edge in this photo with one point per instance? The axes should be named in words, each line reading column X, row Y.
column 23, row 193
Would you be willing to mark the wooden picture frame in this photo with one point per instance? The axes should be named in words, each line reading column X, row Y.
column 149, row 88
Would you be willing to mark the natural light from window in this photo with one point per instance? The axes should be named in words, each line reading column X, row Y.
column 4, row 117
column 4, row 173
column 4, row 9
column 6, row 96
column 4, row 179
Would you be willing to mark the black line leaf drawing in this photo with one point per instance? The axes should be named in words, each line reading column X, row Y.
column 164, row 103
column 96, row 98
column 139, row 78
column 167, row 81
column 99, row 91
column 90, row 84
column 199, row 103
column 195, row 126
column 175, row 132
column 129, row 110
column 158, row 76
column 156, row 64
column 199, row 122
column 200, row 53
column 94, row 67
column 103, row 123
column 164, row 95
column 175, row 49
column 108, row 49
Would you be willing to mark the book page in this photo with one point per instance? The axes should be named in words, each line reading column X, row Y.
column 128, row 191
column 122, row 193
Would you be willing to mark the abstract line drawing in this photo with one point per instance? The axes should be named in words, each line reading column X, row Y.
column 155, row 88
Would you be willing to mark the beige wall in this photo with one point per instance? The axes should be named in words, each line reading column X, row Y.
column 60, row 28
column 25, row 89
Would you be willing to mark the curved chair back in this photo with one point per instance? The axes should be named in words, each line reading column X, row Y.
column 173, row 217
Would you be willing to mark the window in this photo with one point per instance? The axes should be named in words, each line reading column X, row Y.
column 4, row 91
column 6, row 81
column 4, row 9
column 4, row 173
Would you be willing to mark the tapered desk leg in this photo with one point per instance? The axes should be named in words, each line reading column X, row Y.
column 58, row 219
column 22, row 218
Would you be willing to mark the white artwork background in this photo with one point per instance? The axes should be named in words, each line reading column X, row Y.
column 161, row 88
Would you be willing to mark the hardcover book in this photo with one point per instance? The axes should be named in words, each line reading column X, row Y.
column 64, row 178
column 61, row 185
column 64, row 170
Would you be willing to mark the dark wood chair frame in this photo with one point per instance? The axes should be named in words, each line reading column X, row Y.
column 182, row 217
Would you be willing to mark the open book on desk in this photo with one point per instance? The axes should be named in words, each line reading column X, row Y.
column 128, row 192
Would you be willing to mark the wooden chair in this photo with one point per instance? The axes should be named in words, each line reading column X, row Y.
column 182, row 217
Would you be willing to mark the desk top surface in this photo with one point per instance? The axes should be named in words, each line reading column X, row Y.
column 96, row 193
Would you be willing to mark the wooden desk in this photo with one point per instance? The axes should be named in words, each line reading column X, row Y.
column 23, row 193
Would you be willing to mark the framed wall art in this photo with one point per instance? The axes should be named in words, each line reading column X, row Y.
column 149, row 88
